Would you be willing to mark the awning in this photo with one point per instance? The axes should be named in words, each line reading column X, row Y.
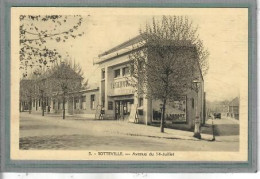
column 122, row 97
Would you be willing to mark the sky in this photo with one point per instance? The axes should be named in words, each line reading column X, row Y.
column 223, row 31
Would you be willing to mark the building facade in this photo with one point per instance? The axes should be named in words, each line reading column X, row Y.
column 233, row 108
column 83, row 103
column 120, row 100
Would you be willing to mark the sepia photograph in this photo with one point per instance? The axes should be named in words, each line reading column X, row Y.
column 129, row 83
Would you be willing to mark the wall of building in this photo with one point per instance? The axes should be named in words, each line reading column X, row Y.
column 114, row 89
column 194, row 100
column 37, row 106
column 174, row 118
column 118, row 89
column 233, row 112
column 79, row 103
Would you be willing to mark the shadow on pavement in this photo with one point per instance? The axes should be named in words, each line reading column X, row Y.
column 226, row 129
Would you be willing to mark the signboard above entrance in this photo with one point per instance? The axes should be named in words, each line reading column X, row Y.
column 120, row 84
column 121, row 87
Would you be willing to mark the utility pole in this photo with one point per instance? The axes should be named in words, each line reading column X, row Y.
column 197, row 118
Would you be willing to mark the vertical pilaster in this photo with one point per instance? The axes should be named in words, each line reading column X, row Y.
column 106, row 88
column 147, row 110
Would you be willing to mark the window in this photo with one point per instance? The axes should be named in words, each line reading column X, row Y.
column 53, row 104
column 92, row 101
column 103, row 73
column 110, row 105
column 140, row 112
column 83, row 99
column 125, row 71
column 76, row 101
column 117, row 73
column 141, row 102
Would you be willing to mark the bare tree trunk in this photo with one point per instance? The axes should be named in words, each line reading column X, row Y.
column 42, row 105
column 163, row 115
column 63, row 105
column 30, row 106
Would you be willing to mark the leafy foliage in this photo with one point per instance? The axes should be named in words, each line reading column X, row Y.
column 63, row 80
column 27, row 90
column 36, row 32
column 67, row 77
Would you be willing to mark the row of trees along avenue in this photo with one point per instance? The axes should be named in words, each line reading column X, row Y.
column 44, row 72
column 166, row 61
column 60, row 82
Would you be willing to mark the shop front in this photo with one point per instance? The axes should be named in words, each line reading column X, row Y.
column 123, row 109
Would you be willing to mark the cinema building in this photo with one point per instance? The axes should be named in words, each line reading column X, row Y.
column 122, row 102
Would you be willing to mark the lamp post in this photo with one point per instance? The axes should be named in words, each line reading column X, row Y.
column 197, row 117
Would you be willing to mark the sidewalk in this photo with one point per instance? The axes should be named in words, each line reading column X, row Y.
column 67, row 116
column 151, row 131
column 222, row 127
column 113, row 127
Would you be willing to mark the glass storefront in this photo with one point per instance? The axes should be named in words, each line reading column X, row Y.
column 123, row 108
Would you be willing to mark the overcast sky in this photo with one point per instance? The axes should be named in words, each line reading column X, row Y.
column 224, row 32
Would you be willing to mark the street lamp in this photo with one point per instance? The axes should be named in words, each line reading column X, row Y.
column 196, row 84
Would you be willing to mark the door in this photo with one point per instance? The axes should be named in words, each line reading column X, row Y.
column 122, row 109
column 117, row 110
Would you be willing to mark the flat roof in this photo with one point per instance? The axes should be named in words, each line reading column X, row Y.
column 123, row 45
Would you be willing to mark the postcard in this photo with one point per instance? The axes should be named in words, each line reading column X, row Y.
column 129, row 84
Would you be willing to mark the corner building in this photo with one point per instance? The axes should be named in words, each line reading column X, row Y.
column 120, row 100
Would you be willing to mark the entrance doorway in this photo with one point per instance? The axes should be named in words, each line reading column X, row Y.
column 123, row 109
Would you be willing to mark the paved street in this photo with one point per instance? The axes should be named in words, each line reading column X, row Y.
column 225, row 128
column 51, row 132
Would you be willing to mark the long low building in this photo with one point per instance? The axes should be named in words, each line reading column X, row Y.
column 83, row 102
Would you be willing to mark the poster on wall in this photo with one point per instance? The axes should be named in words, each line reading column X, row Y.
column 176, row 111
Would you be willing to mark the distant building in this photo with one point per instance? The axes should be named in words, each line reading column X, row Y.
column 233, row 108
column 121, row 101
column 82, row 102
column 44, row 93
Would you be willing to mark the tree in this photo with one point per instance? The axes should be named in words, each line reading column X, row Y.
column 36, row 34
column 44, row 87
column 66, row 78
column 35, row 87
column 167, row 59
column 27, row 92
